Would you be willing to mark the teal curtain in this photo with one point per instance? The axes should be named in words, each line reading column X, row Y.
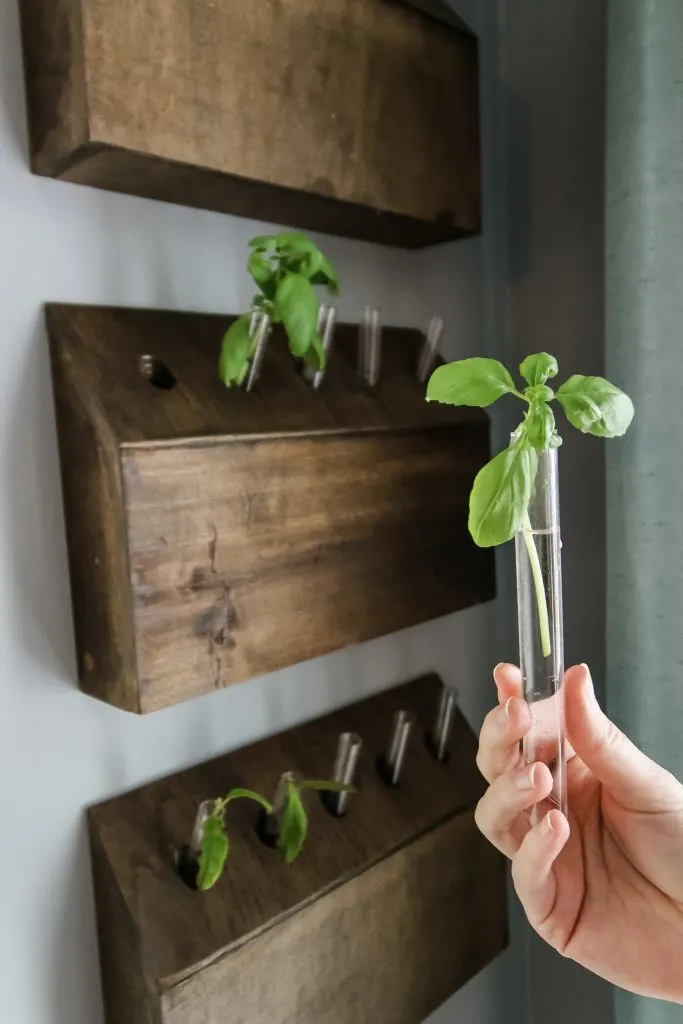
column 644, row 354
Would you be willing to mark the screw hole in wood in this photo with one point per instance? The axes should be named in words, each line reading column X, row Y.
column 187, row 866
column 157, row 373
column 268, row 830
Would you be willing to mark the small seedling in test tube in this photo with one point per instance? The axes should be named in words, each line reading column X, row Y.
column 516, row 496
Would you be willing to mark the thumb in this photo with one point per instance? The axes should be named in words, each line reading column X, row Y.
column 625, row 771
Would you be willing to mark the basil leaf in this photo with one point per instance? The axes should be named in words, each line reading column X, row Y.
column 500, row 495
column 538, row 368
column 536, row 393
column 328, row 785
column 594, row 406
column 262, row 273
column 294, row 825
column 310, row 264
column 326, row 275
column 296, row 305
column 475, row 381
column 264, row 304
column 540, row 426
column 300, row 255
column 214, row 853
column 315, row 354
column 263, row 242
column 294, row 241
column 235, row 352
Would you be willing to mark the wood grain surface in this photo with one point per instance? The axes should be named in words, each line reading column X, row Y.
column 358, row 117
column 385, row 913
column 217, row 535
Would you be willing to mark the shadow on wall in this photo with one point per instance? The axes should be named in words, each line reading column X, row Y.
column 12, row 109
column 35, row 533
column 75, row 968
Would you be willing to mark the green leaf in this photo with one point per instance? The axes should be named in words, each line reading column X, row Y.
column 263, row 242
column 294, row 241
column 214, row 853
column 475, row 381
column 538, row 368
column 326, row 275
column 315, row 354
column 296, row 305
column 265, row 305
column 500, row 495
column 235, row 352
column 262, row 273
column 294, row 825
column 310, row 264
column 303, row 256
column 594, row 406
column 328, row 785
column 540, row 426
column 248, row 794
column 536, row 393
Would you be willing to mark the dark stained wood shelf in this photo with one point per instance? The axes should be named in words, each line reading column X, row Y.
column 358, row 117
column 216, row 535
column 390, row 909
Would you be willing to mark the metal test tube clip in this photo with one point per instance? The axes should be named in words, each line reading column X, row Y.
column 259, row 329
column 370, row 347
column 392, row 764
column 440, row 734
column 327, row 317
column 429, row 348
column 345, row 764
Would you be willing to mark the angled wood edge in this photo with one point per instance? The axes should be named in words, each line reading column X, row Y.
column 440, row 11
column 96, row 544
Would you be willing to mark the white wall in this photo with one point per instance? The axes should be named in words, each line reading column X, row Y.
column 60, row 750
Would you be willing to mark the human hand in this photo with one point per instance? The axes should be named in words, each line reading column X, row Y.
column 605, row 887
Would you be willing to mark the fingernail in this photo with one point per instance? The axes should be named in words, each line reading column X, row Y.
column 499, row 665
column 526, row 779
column 506, row 707
column 546, row 826
column 591, row 687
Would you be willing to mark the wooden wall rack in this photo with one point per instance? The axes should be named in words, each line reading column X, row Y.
column 217, row 535
column 384, row 915
column 358, row 117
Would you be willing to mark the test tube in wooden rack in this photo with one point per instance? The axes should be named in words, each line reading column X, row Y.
column 327, row 316
column 429, row 348
column 393, row 763
column 370, row 347
column 345, row 764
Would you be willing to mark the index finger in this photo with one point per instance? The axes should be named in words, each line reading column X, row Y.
column 508, row 680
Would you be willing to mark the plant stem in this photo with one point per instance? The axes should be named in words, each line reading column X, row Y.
column 242, row 794
column 537, row 574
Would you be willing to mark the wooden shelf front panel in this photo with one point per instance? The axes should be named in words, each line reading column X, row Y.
column 216, row 535
column 383, row 916
column 358, row 117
